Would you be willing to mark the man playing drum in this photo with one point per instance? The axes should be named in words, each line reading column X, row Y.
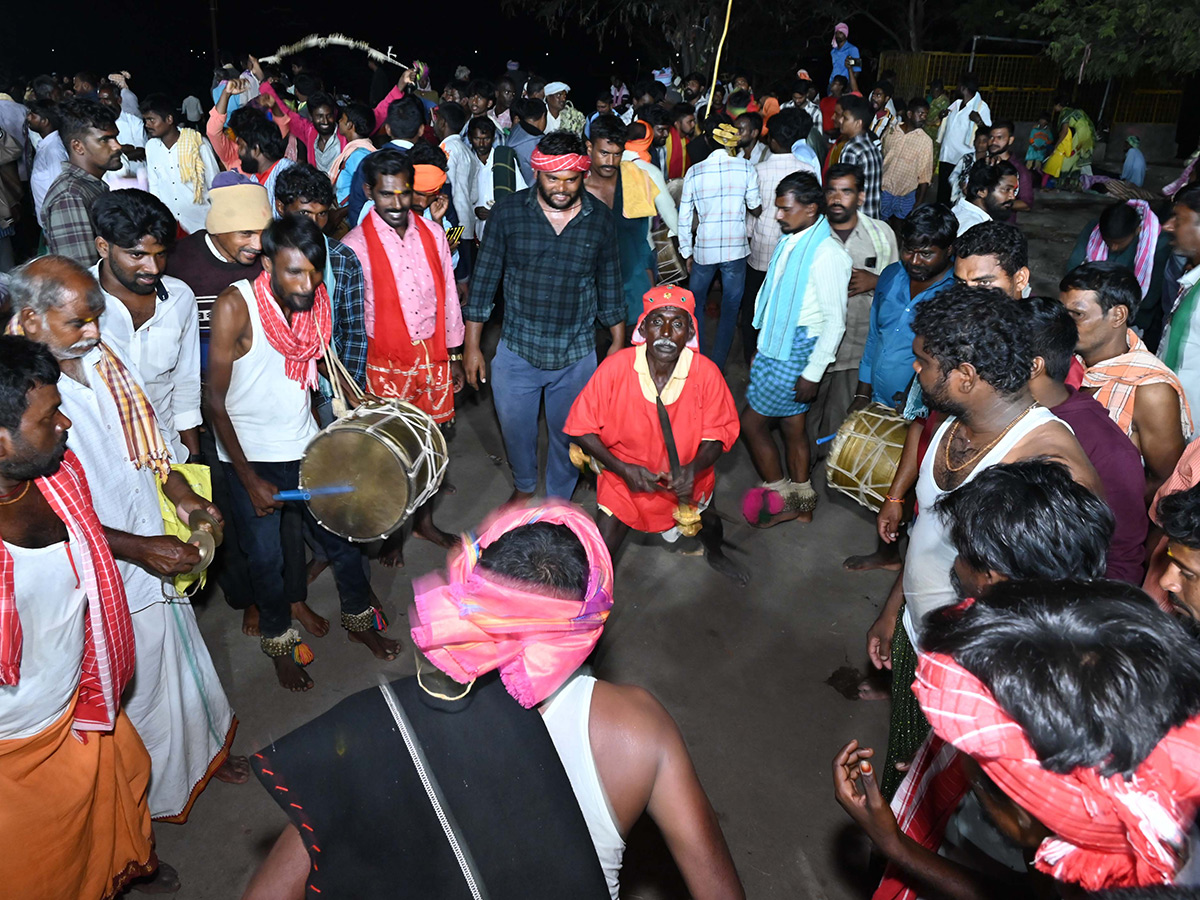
column 414, row 321
column 646, row 483
column 801, row 314
column 266, row 339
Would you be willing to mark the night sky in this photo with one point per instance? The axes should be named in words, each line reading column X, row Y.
column 167, row 45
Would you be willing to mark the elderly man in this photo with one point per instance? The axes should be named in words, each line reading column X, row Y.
column 413, row 318
column 176, row 701
column 89, row 132
column 542, row 771
column 1142, row 395
column 558, row 282
column 148, row 315
column 81, row 803
column 655, row 478
column 263, row 366
column 1098, row 798
column 801, row 317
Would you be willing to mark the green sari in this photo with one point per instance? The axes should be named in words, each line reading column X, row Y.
column 1083, row 140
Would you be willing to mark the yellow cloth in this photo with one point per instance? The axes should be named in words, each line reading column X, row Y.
column 1054, row 163
column 199, row 479
column 191, row 166
column 638, row 192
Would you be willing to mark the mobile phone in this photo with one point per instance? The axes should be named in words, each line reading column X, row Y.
column 454, row 234
column 853, row 62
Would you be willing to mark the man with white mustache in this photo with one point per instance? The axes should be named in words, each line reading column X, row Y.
column 655, row 473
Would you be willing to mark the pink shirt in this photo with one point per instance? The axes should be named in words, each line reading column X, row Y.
column 306, row 131
column 414, row 280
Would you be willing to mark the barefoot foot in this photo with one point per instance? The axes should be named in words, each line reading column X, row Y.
column 291, row 675
column 317, row 626
column 381, row 647
column 165, row 880
column 430, row 532
column 727, row 567
column 235, row 770
column 250, row 621
column 880, row 559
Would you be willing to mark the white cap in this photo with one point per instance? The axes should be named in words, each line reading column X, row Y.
column 555, row 86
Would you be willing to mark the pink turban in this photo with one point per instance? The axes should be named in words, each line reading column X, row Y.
column 843, row 28
column 469, row 621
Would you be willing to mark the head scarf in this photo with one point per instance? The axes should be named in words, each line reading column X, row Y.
column 566, row 162
column 1133, row 140
column 237, row 203
column 428, row 179
column 468, row 622
column 555, row 87
column 1147, row 243
column 669, row 295
column 1108, row 832
column 843, row 28
column 421, row 70
column 642, row 145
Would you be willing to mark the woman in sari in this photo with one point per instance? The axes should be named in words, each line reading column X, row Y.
column 1072, row 154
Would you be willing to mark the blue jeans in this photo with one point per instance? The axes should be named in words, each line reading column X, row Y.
column 276, row 569
column 517, row 389
column 896, row 205
column 733, row 285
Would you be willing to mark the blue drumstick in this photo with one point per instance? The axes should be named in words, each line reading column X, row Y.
column 314, row 492
column 826, row 439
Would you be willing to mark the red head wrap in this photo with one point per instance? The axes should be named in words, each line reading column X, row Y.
column 566, row 162
column 669, row 295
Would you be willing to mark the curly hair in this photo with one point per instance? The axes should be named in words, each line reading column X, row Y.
column 998, row 239
column 1179, row 514
column 979, row 326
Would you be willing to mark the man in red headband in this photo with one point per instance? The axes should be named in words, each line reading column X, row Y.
column 642, row 486
column 414, row 321
column 267, row 339
column 517, row 773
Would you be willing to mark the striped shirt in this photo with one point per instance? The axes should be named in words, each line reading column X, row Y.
column 907, row 161
column 718, row 191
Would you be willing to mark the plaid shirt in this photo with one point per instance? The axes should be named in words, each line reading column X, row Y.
column 66, row 214
column 718, row 190
column 348, row 296
column 862, row 151
column 556, row 286
column 907, row 161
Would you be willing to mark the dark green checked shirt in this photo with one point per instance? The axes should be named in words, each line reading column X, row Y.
column 556, row 286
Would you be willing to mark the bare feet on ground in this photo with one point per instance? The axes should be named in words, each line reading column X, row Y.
column 880, row 559
column 393, row 557
column 435, row 535
column 786, row 516
column 727, row 567
column 381, row 647
column 291, row 675
column 165, row 880
column 250, row 621
column 235, row 770
column 317, row 626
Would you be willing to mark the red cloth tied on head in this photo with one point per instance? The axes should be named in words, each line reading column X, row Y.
column 428, row 179
column 642, row 145
column 1108, row 832
column 564, row 162
column 669, row 295
column 469, row 621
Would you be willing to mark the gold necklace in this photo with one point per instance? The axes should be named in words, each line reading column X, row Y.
column 24, row 491
column 433, row 693
column 981, row 452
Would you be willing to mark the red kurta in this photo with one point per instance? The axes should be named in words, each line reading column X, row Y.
column 618, row 406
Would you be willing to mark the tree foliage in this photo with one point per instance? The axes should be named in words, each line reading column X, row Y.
column 1112, row 38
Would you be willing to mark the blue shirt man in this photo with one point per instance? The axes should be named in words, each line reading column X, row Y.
column 1134, row 170
column 842, row 51
column 925, row 268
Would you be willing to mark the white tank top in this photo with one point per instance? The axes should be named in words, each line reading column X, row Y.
column 51, row 604
column 930, row 555
column 566, row 717
column 270, row 412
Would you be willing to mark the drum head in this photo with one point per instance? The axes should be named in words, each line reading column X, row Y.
column 372, row 467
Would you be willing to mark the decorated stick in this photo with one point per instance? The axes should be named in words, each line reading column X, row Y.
column 332, row 40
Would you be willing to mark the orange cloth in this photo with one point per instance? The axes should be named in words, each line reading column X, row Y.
column 1116, row 382
column 428, row 179
column 703, row 411
column 770, row 106
column 1186, row 475
column 74, row 816
column 641, row 147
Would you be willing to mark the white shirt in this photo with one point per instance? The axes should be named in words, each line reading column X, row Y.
column 47, row 165
column 1188, row 368
column 969, row 215
column 192, row 110
column 485, row 188
column 958, row 131
column 719, row 190
column 125, row 498
column 166, row 353
column 462, row 169
column 165, row 182
column 758, row 153
column 130, row 130
column 663, row 203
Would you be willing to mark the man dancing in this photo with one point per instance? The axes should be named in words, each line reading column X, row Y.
column 677, row 419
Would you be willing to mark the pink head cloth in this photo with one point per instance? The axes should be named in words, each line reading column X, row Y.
column 669, row 295
column 566, row 162
column 843, row 28
column 1108, row 832
column 468, row 622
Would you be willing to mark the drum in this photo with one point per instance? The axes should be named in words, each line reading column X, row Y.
column 671, row 267
column 371, row 469
column 866, row 453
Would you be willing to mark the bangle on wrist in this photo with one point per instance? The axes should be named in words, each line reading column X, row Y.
column 890, row 499
column 456, row 357
column 862, row 396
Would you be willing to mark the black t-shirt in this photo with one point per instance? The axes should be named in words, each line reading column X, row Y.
column 207, row 274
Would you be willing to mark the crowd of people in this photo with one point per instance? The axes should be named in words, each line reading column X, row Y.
column 199, row 288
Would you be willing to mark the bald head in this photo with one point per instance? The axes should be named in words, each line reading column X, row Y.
column 57, row 302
